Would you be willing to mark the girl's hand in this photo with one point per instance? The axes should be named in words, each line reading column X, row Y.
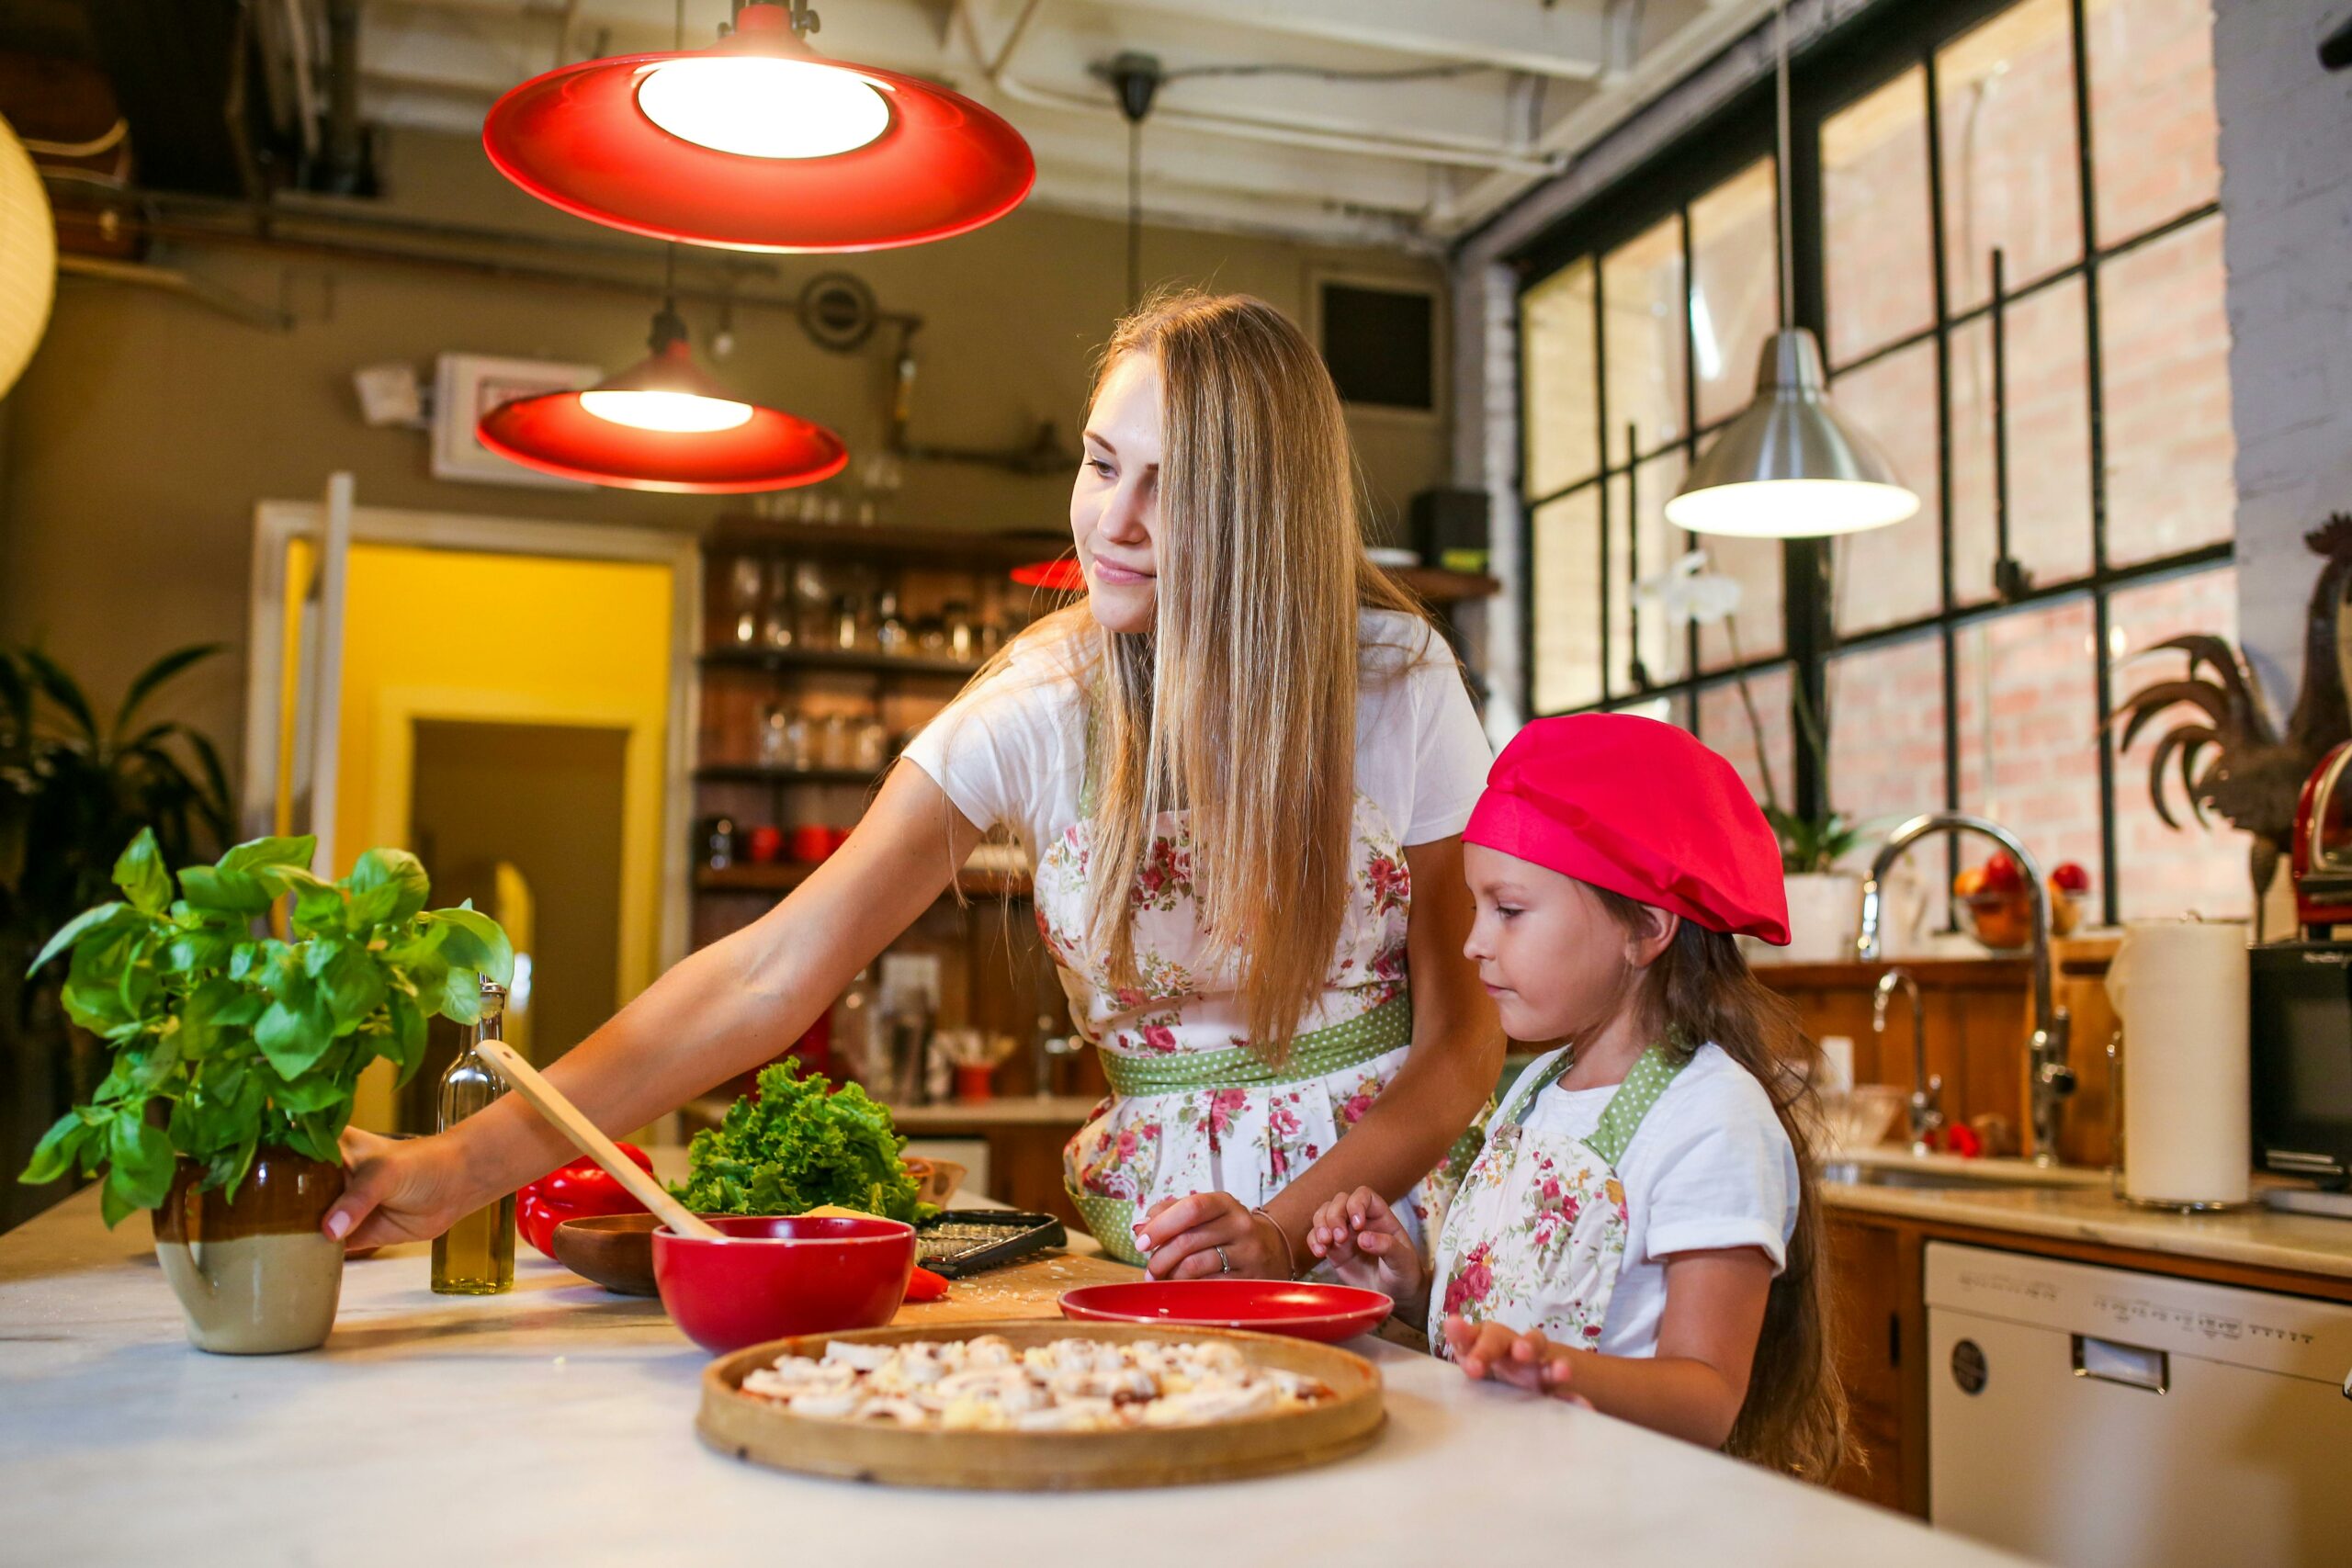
column 1502, row 1354
column 1366, row 1245
column 400, row 1189
column 1180, row 1239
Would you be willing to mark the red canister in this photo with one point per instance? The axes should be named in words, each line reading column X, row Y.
column 811, row 845
column 767, row 845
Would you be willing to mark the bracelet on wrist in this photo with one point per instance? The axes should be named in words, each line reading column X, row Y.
column 1290, row 1256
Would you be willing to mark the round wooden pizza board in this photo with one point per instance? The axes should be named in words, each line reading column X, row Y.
column 765, row 1432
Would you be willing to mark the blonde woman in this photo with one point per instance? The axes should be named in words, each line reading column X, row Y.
column 1241, row 768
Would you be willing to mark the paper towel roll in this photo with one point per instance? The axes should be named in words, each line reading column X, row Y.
column 2179, row 987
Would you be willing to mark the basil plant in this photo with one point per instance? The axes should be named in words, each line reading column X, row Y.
column 227, row 1037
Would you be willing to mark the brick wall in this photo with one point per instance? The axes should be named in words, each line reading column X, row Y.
column 2286, row 154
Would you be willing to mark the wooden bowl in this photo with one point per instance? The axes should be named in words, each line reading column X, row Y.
column 614, row 1250
column 765, row 1433
column 770, row 1275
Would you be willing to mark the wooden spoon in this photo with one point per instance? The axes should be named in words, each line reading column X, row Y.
column 547, row 1101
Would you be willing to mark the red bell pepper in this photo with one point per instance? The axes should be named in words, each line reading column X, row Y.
column 923, row 1285
column 576, row 1191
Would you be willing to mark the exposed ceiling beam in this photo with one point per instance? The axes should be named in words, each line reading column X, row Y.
column 1570, row 38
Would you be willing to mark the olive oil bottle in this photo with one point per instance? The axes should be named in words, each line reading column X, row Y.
column 476, row 1255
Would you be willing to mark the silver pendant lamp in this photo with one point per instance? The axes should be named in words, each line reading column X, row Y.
column 1790, row 466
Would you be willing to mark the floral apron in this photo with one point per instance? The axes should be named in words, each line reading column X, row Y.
column 1193, row 1108
column 1536, row 1234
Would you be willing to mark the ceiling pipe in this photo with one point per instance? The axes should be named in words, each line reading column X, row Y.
column 1464, row 153
column 344, row 160
column 369, row 238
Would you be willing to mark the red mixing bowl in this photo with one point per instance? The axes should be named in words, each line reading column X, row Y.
column 772, row 1276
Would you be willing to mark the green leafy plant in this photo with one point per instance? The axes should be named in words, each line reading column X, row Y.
column 74, row 789
column 795, row 1146
column 226, row 1038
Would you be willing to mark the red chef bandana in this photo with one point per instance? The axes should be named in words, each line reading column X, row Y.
column 1641, row 808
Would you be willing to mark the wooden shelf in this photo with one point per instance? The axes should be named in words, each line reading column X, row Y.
column 1441, row 587
column 765, row 773
column 782, row 659
column 944, row 550
column 783, row 876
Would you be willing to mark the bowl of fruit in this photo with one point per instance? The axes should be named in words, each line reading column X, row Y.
column 1997, row 908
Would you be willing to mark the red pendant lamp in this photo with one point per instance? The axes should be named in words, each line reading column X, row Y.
column 759, row 143
column 663, row 424
column 1063, row 575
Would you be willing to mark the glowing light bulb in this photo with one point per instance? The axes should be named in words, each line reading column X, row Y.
column 764, row 108
column 1791, row 508
column 678, row 412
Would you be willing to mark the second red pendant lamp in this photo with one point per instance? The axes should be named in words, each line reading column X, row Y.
column 759, row 143
column 663, row 424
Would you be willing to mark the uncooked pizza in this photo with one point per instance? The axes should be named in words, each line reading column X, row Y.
column 1064, row 1385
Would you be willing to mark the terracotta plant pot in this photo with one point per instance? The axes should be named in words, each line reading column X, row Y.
column 254, row 1276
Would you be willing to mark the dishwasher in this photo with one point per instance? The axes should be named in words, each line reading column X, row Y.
column 2102, row 1418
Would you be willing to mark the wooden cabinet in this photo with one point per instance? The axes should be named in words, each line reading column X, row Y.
column 1877, row 1326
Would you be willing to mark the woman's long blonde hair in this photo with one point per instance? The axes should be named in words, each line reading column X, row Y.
column 1240, row 703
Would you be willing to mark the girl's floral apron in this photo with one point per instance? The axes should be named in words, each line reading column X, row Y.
column 1193, row 1109
column 1536, row 1233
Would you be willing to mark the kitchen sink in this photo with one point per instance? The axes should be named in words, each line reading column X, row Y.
column 1945, row 1173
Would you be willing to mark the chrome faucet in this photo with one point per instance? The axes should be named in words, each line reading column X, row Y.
column 2049, row 1079
column 1927, row 1089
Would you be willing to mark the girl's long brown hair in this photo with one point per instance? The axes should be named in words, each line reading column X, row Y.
column 1240, row 703
column 1699, row 989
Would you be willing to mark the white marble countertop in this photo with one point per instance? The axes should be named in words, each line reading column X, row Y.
column 555, row 1425
column 2085, row 1209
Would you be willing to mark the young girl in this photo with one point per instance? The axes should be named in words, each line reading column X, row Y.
column 1646, row 1191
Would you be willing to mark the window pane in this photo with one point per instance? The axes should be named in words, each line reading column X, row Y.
column 1735, row 297
column 1566, row 535
column 1723, row 723
column 1645, row 627
column 2029, row 730
column 1755, row 565
column 1886, row 730
column 2197, row 867
column 2154, row 143
column 1558, row 379
column 2050, row 445
column 1641, row 295
column 1674, row 710
column 2165, row 342
column 1890, row 575
column 1877, row 250
column 2006, row 112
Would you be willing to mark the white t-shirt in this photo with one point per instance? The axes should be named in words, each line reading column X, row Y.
column 1709, row 1168
column 1011, row 752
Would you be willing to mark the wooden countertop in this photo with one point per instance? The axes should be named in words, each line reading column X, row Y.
column 2088, row 1211
column 1012, row 1111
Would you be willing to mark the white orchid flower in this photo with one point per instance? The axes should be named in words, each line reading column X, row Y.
column 1687, row 591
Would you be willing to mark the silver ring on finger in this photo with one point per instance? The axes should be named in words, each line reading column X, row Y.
column 1224, row 1264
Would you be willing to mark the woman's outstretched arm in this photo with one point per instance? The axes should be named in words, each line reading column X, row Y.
column 723, row 1010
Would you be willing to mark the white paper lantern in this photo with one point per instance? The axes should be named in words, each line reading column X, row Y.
column 27, row 258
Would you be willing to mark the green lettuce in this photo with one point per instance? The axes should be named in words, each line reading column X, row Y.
column 796, row 1146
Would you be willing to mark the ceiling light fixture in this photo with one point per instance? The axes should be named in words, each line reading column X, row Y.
column 1790, row 466
column 759, row 143
column 664, row 423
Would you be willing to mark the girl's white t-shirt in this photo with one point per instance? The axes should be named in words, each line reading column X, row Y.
column 1012, row 750
column 1711, row 1166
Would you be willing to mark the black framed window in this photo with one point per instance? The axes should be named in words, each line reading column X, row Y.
column 2008, row 239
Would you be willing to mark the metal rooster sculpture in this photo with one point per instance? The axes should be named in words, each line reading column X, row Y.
column 2253, row 774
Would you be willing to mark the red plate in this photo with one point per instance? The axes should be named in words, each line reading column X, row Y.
column 1326, row 1313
